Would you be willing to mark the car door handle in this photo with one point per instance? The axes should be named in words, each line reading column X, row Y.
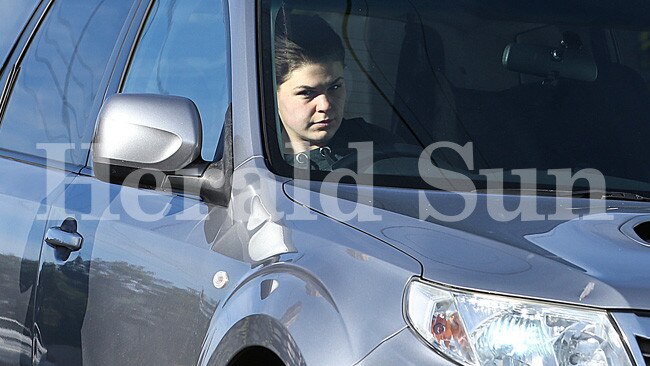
column 65, row 236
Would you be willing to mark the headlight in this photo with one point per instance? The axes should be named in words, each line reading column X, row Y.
column 477, row 329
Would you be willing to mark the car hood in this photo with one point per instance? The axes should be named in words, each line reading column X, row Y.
column 576, row 251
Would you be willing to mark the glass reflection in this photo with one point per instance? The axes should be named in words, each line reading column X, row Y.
column 13, row 17
column 183, row 51
column 59, row 77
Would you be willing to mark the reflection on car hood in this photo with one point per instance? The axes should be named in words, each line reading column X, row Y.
column 592, row 260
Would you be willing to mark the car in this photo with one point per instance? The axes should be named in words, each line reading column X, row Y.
column 281, row 182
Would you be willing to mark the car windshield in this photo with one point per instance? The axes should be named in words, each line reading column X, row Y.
column 402, row 89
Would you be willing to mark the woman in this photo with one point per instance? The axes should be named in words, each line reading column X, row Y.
column 311, row 92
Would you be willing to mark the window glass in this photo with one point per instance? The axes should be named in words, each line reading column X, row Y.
column 13, row 16
column 183, row 51
column 539, row 86
column 59, row 78
column 634, row 50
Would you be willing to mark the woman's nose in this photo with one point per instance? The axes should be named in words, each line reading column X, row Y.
column 323, row 103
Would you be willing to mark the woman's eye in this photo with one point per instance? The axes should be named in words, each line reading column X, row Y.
column 306, row 93
column 336, row 87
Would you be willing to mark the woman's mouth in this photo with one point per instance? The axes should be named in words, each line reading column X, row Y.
column 324, row 122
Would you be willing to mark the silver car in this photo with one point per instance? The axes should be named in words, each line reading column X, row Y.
column 324, row 182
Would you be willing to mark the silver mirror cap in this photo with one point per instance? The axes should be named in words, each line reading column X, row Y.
column 147, row 131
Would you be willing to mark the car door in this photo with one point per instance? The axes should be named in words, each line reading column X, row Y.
column 50, row 81
column 145, row 282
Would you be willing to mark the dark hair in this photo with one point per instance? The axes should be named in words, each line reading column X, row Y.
column 303, row 39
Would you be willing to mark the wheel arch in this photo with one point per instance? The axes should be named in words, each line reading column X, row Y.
column 280, row 308
column 269, row 341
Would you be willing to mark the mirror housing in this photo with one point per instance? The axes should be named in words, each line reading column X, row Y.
column 146, row 131
column 549, row 62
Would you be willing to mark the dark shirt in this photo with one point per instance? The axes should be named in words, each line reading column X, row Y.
column 350, row 131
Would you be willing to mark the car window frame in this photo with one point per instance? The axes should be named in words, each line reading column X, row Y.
column 18, row 36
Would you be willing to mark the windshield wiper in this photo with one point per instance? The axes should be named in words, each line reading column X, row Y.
column 609, row 195
column 597, row 194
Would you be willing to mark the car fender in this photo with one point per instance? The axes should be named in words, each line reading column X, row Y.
column 280, row 307
column 257, row 330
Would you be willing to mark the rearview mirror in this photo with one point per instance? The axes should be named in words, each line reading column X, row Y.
column 549, row 62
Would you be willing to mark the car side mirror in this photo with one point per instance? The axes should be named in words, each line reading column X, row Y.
column 156, row 139
column 147, row 131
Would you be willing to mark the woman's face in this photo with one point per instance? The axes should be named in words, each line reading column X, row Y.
column 310, row 103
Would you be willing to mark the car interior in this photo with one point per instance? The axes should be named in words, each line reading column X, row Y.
column 529, row 91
